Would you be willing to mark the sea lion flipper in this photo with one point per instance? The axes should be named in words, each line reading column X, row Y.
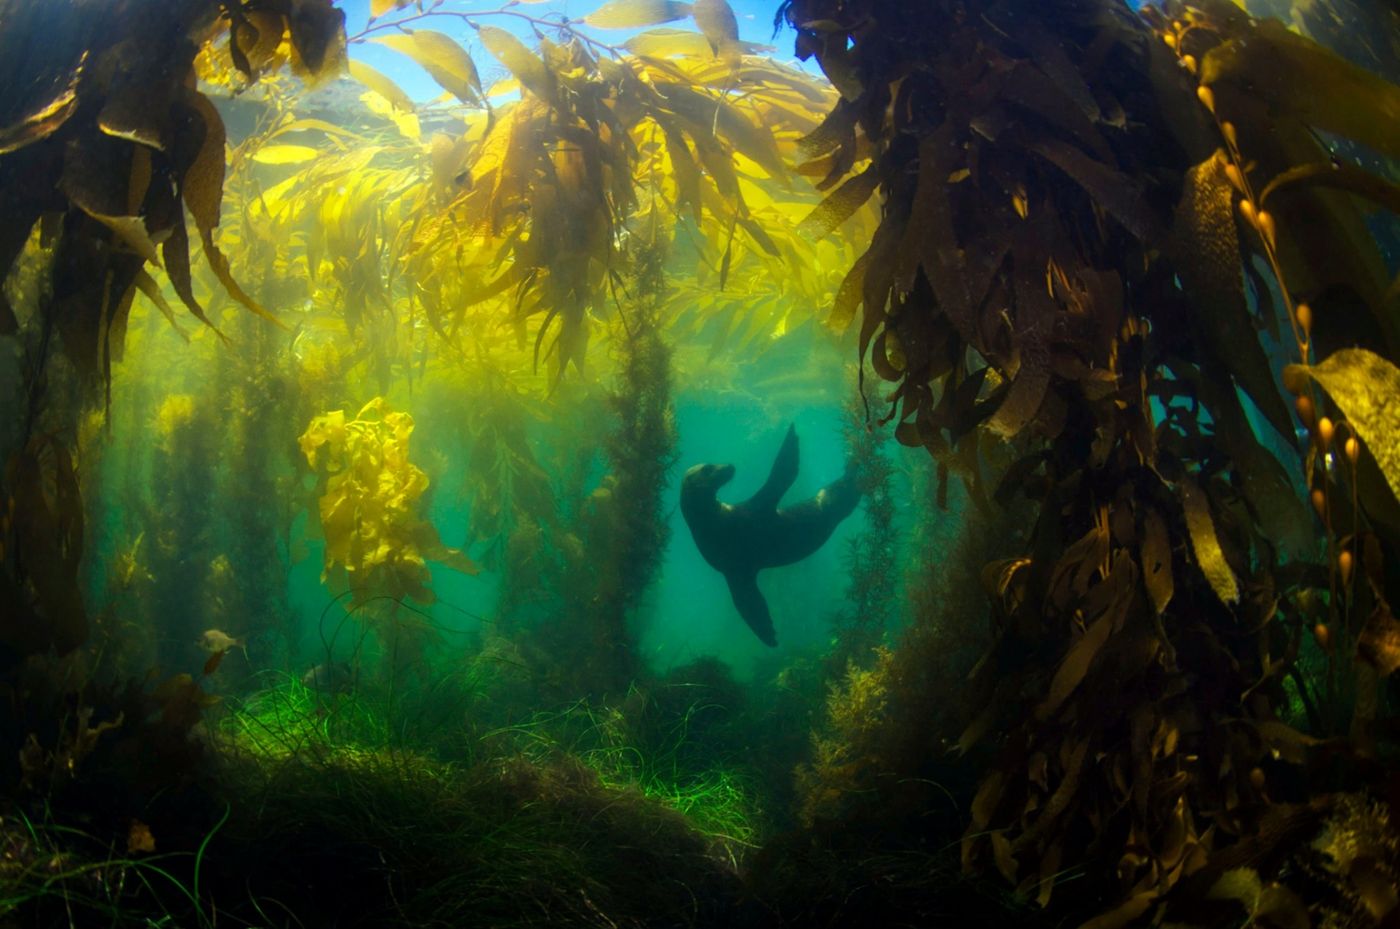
column 751, row 605
column 781, row 477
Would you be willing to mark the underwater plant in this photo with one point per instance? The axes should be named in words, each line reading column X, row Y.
column 1056, row 289
column 377, row 545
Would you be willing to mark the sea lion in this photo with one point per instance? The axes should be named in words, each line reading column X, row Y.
column 742, row 539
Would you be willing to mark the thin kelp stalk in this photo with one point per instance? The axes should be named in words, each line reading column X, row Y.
column 184, row 554
column 630, row 531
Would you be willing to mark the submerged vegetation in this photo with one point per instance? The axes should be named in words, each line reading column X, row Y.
column 1116, row 645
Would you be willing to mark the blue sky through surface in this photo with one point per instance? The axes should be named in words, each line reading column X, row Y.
column 755, row 25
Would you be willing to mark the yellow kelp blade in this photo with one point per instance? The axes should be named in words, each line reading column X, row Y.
column 631, row 14
column 445, row 61
column 378, row 82
column 1366, row 388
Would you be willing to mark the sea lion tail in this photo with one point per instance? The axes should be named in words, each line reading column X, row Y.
column 748, row 599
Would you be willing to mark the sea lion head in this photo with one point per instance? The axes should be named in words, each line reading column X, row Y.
column 704, row 480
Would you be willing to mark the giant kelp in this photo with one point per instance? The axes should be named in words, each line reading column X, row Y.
column 1086, row 224
column 1058, row 282
column 108, row 145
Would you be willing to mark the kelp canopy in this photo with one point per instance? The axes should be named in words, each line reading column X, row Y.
column 1134, row 272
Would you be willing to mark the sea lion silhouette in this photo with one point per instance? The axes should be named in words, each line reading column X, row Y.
column 742, row 539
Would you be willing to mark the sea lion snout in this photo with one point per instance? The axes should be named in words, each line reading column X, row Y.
column 707, row 478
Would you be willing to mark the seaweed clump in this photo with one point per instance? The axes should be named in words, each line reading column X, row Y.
column 1057, row 291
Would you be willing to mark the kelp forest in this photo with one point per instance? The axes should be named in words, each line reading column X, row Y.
column 369, row 369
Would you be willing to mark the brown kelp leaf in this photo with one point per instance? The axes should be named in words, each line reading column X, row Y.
column 1209, row 555
column 378, row 82
column 176, row 251
column 1156, row 560
column 840, row 205
column 1290, row 744
column 1111, row 189
column 1035, row 320
column 848, row 296
column 147, row 285
column 1208, row 261
column 686, row 171
column 1125, row 913
column 137, row 109
column 211, row 664
column 1379, row 641
column 707, row 115
column 46, row 118
column 97, row 174
column 632, row 14
column 1295, row 75
column 443, row 58
column 1337, row 175
column 527, row 67
column 219, row 265
column 317, row 31
column 1365, row 387
column 203, row 183
column 139, row 839
column 46, row 519
column 1076, row 664
column 1286, row 521
column 716, row 20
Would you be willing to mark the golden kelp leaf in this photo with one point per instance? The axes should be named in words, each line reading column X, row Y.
column 1208, row 261
column 139, row 838
column 445, row 61
column 668, row 43
column 1204, row 543
column 1240, row 884
column 284, row 154
column 405, row 122
column 840, row 205
column 1379, row 642
column 308, row 125
column 378, row 8
column 132, row 231
column 1295, row 75
column 44, row 120
column 1338, row 175
column 527, row 67
column 1155, row 558
column 380, row 84
column 631, row 14
column 1366, row 388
